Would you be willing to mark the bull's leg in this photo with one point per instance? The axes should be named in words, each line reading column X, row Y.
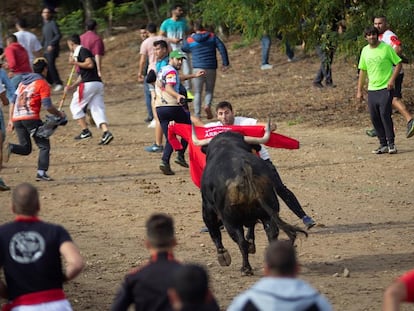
column 213, row 224
column 271, row 229
column 250, row 239
column 237, row 234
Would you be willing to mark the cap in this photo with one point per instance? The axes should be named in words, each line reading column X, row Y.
column 177, row 54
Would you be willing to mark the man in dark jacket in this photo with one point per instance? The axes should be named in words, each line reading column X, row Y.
column 202, row 45
column 50, row 43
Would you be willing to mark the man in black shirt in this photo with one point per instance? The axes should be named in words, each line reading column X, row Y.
column 89, row 92
column 146, row 287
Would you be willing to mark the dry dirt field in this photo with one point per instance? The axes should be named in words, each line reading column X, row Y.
column 362, row 202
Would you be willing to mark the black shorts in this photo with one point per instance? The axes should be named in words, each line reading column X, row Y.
column 398, row 85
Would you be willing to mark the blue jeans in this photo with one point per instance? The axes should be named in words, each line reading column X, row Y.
column 147, row 95
column 266, row 43
column 7, row 83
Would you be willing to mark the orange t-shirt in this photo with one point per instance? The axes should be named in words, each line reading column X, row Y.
column 29, row 100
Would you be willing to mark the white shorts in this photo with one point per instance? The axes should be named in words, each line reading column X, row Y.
column 58, row 305
column 92, row 99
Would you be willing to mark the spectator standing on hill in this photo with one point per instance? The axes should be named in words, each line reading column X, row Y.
column 143, row 33
column 93, row 42
column 280, row 288
column 27, row 39
column 401, row 290
column 390, row 38
column 89, row 92
column 24, row 117
column 266, row 43
column 30, row 256
column 161, row 50
column 176, row 29
column 5, row 102
column 146, row 287
column 17, row 60
column 376, row 62
column 203, row 45
column 51, row 48
column 147, row 63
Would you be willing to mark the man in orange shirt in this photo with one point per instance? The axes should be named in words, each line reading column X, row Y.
column 24, row 116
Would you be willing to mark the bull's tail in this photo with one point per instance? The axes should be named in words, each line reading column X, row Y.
column 290, row 230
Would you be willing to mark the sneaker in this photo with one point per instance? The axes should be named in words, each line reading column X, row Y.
column 106, row 138
column 291, row 60
column 380, row 150
column 392, row 149
column 148, row 119
column 181, row 161
column 58, row 88
column 152, row 124
column 3, row 186
column 6, row 153
column 266, row 67
column 318, row 85
column 410, row 128
column 308, row 222
column 207, row 110
column 85, row 134
column 190, row 95
column 331, row 85
column 371, row 132
column 154, row 148
column 166, row 169
column 43, row 177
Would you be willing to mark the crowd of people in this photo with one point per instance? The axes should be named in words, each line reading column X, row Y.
column 176, row 65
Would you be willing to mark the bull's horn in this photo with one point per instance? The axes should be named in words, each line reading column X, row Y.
column 259, row 140
column 196, row 141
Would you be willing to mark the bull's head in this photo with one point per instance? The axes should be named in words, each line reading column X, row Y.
column 248, row 139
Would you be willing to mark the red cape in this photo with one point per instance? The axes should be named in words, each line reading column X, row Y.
column 198, row 158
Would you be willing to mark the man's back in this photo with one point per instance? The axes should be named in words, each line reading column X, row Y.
column 147, row 287
column 29, row 41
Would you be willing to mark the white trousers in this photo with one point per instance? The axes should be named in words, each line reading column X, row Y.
column 58, row 305
column 91, row 97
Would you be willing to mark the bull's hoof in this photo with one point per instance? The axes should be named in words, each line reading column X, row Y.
column 246, row 271
column 223, row 257
column 252, row 247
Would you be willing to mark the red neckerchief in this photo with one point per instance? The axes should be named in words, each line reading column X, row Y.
column 27, row 219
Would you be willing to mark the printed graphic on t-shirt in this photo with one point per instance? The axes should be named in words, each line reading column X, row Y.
column 26, row 247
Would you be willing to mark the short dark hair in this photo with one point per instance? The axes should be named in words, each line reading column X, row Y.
column 91, row 24
column 370, row 30
column 25, row 199
column 224, row 104
column 379, row 15
column 39, row 64
column 11, row 37
column 176, row 6
column 198, row 25
column 21, row 22
column 281, row 257
column 160, row 230
column 75, row 38
column 190, row 281
column 151, row 28
column 161, row 43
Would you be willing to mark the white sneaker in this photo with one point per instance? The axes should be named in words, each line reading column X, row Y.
column 58, row 88
column 266, row 67
column 152, row 124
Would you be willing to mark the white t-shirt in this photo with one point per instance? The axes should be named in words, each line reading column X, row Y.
column 29, row 41
column 264, row 154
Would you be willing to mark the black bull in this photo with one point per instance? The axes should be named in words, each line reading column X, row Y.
column 237, row 190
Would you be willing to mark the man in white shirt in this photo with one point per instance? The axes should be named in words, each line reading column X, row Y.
column 27, row 39
column 225, row 116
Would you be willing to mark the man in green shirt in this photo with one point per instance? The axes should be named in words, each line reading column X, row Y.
column 376, row 63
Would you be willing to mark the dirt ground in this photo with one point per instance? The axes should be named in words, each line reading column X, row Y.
column 362, row 202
